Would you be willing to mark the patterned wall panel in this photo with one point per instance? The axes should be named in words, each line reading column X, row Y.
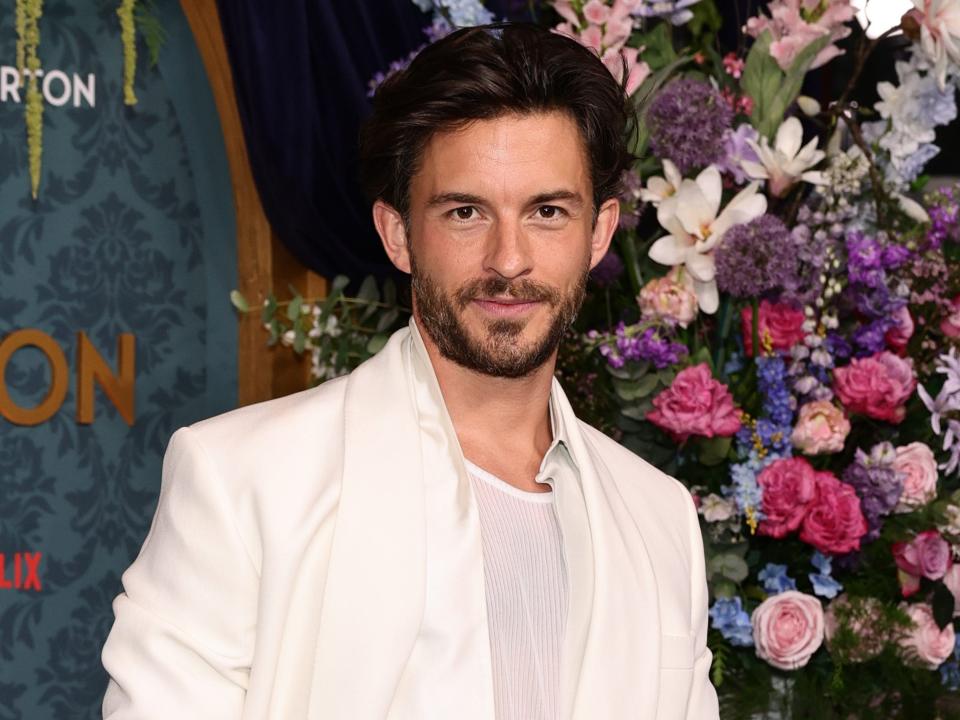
column 133, row 232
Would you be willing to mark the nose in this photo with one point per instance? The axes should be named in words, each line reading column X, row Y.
column 508, row 250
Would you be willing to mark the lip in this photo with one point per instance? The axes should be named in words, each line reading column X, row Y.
column 505, row 307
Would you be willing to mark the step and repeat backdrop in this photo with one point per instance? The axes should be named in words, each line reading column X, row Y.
column 115, row 329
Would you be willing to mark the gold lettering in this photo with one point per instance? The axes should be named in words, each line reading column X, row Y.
column 58, row 387
column 118, row 387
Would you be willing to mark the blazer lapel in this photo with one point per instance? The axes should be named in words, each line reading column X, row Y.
column 611, row 662
column 373, row 597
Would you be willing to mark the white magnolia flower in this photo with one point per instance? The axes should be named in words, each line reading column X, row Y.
column 939, row 22
column 691, row 217
column 786, row 162
column 660, row 188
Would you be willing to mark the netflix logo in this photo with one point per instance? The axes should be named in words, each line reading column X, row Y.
column 20, row 571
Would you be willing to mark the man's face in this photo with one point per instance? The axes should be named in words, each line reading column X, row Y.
column 501, row 239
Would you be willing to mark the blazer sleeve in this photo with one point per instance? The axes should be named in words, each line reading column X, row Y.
column 702, row 703
column 181, row 644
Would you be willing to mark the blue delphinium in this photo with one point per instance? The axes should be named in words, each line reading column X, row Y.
column 732, row 621
column 775, row 579
column 823, row 583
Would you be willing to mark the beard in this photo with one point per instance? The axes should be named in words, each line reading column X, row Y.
column 500, row 351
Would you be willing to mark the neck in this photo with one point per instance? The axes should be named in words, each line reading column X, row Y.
column 495, row 415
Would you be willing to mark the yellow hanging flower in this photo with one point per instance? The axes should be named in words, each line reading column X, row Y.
column 129, row 39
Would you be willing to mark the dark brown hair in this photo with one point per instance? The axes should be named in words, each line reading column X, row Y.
column 486, row 72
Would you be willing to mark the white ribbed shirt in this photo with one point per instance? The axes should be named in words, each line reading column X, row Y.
column 526, row 592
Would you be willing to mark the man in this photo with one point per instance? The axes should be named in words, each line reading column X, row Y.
column 436, row 535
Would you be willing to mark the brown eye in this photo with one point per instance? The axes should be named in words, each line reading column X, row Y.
column 548, row 212
column 464, row 213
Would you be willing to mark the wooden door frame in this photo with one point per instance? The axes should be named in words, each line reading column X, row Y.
column 263, row 263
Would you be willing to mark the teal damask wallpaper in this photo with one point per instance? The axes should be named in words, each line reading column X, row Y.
column 133, row 232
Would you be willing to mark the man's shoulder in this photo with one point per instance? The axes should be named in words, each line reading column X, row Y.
column 631, row 470
column 274, row 426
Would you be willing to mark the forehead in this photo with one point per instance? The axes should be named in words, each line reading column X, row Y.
column 508, row 155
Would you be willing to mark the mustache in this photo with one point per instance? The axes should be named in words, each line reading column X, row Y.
column 524, row 290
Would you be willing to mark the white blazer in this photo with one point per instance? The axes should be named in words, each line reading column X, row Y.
column 319, row 556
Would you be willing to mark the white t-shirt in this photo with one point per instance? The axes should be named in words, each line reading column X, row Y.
column 526, row 592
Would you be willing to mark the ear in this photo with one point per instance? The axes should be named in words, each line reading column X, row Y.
column 608, row 218
column 393, row 234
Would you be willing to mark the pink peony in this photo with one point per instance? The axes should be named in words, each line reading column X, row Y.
column 898, row 336
column 787, row 629
column 783, row 322
column 821, row 428
column 834, row 522
column 927, row 555
column 789, row 485
column 919, row 466
column 794, row 24
column 926, row 644
column 695, row 404
column 877, row 386
column 859, row 615
column 669, row 299
column 950, row 325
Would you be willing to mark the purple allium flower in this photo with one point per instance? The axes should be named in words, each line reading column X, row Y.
column 877, row 484
column 687, row 120
column 607, row 270
column 751, row 258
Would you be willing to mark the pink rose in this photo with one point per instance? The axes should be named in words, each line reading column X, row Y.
column 783, row 322
column 834, row 522
column 926, row 644
column 669, row 299
column 950, row 325
column 695, row 404
column 898, row 336
column 821, row 428
column 859, row 615
column 919, row 466
column 789, row 486
column 952, row 580
column 927, row 555
column 787, row 629
column 877, row 386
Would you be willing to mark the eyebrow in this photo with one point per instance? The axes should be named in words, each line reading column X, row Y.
column 467, row 199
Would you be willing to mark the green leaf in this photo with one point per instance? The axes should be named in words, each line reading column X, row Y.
column 636, row 412
column 376, row 343
column 299, row 340
column 339, row 284
column 630, row 390
column 369, row 290
column 706, row 19
column 724, row 589
column 713, row 451
column 269, row 309
column 729, row 566
column 293, row 309
column 389, row 292
column 761, row 79
column 387, row 319
column 792, row 82
column 657, row 45
column 239, row 301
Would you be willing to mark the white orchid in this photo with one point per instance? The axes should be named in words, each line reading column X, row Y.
column 659, row 188
column 786, row 162
column 691, row 217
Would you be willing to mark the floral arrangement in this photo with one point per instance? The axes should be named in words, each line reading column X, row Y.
column 777, row 326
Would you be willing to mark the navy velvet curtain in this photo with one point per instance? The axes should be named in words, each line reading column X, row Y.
column 301, row 68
